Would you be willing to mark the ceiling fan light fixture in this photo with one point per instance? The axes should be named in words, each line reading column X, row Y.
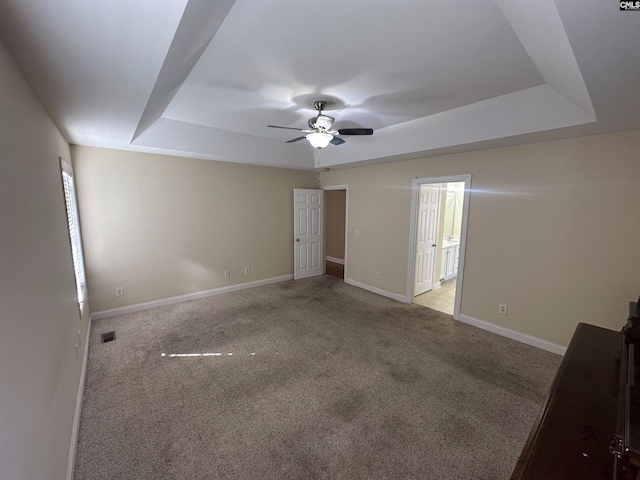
column 319, row 139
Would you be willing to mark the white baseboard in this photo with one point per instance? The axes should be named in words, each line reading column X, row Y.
column 437, row 285
column 71, row 465
column 513, row 335
column 379, row 291
column 138, row 307
column 334, row 260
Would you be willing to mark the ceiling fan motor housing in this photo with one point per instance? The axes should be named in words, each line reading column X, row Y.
column 320, row 105
column 324, row 121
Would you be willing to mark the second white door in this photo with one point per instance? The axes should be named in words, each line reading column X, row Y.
column 427, row 234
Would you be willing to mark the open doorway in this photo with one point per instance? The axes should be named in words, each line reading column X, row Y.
column 336, row 212
column 438, row 233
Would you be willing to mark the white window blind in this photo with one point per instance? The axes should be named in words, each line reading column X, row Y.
column 73, row 222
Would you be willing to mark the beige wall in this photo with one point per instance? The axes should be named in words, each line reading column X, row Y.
column 335, row 201
column 162, row 226
column 457, row 218
column 553, row 230
column 39, row 320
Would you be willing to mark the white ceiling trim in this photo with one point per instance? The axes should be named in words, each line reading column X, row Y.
column 224, row 145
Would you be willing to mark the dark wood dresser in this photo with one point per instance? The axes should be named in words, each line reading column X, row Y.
column 571, row 437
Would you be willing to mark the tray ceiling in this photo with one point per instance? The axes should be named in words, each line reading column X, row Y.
column 203, row 79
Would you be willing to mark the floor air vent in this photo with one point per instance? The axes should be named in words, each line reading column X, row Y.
column 108, row 337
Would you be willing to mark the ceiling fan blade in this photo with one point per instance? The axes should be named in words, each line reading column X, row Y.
column 286, row 128
column 336, row 141
column 356, row 131
column 296, row 139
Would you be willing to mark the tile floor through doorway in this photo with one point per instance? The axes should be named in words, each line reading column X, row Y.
column 443, row 299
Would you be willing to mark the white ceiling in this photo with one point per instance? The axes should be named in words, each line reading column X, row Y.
column 203, row 78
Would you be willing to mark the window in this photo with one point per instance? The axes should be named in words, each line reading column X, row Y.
column 73, row 222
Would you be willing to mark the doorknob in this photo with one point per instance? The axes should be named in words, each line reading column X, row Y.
column 297, row 239
column 434, row 245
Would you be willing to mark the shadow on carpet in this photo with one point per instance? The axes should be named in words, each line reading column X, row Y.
column 305, row 379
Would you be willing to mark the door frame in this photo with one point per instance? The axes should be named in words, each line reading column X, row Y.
column 415, row 191
column 346, row 222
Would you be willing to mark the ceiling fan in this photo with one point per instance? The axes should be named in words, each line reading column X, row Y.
column 320, row 134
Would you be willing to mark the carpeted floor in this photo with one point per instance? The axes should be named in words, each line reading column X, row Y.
column 310, row 379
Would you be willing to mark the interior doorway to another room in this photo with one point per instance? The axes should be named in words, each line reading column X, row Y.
column 336, row 201
column 440, row 234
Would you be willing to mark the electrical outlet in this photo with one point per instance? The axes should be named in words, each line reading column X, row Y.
column 247, row 270
column 356, row 233
column 119, row 291
column 502, row 308
column 377, row 274
column 227, row 274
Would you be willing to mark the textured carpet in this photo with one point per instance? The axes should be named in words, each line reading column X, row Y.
column 305, row 379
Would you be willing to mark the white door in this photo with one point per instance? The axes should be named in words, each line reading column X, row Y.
column 427, row 231
column 308, row 223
